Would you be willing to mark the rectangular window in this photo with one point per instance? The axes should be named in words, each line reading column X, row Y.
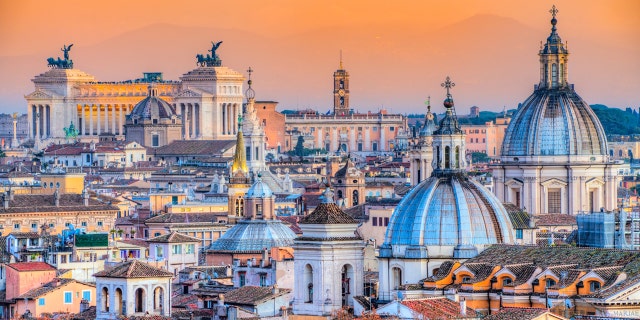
column 86, row 295
column 258, row 210
column 68, row 297
column 67, row 224
column 51, row 225
column 375, row 221
column 176, row 249
column 263, row 280
column 375, row 129
column 375, row 146
column 392, row 128
column 155, row 141
column 190, row 248
column 386, row 221
column 360, row 146
column 34, row 226
column 41, row 301
column 519, row 234
column 159, row 252
column 554, row 201
column 242, row 277
column 16, row 226
column 99, row 223
column 83, row 223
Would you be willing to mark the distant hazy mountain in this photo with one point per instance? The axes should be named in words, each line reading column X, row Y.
column 492, row 59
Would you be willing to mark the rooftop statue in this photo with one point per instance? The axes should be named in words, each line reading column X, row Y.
column 71, row 132
column 65, row 63
column 212, row 60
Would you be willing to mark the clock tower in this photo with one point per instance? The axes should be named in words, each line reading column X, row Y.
column 341, row 91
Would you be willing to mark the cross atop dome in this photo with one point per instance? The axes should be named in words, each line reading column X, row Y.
column 448, row 84
column 250, row 93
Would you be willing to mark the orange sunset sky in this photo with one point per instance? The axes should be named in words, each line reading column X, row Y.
column 397, row 52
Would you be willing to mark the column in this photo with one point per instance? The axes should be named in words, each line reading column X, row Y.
column 319, row 143
column 36, row 119
column 84, row 120
column 196, row 119
column 98, row 119
column 193, row 120
column 235, row 119
column 113, row 119
column 41, row 122
column 334, row 139
column 352, row 138
column 121, row 130
column 383, row 143
column 106, row 119
column 185, row 120
column 367, row 139
column 91, row 120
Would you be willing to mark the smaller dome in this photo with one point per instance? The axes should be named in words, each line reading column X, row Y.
column 429, row 125
column 259, row 190
column 152, row 107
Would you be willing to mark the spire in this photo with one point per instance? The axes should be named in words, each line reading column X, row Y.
column 240, row 157
column 250, row 94
column 341, row 67
column 429, row 125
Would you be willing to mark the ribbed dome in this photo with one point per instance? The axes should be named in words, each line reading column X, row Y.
column 554, row 122
column 254, row 235
column 449, row 212
column 152, row 107
column 429, row 124
column 259, row 190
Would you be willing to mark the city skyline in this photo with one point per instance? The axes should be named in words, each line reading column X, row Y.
column 396, row 54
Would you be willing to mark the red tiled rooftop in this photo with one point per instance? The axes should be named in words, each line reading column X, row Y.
column 31, row 266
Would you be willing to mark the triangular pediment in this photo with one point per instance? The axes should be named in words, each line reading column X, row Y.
column 39, row 94
column 554, row 182
column 514, row 182
column 188, row 94
column 595, row 182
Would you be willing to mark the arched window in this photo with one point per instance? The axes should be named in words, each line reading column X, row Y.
column 355, row 197
column 339, row 193
column 308, row 280
column 105, row 299
column 118, row 301
column 158, row 297
column 554, row 75
column 239, row 207
column 549, row 283
column 561, row 75
column 457, row 157
column 594, row 286
column 506, row 281
column 140, row 300
column 438, row 157
column 397, row 277
column 347, row 281
column 447, row 157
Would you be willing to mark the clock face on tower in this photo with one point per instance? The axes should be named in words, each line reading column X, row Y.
column 341, row 92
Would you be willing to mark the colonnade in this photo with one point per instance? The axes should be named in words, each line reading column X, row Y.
column 99, row 119
column 40, row 121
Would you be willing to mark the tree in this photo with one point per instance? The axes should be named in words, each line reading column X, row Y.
column 479, row 157
column 299, row 149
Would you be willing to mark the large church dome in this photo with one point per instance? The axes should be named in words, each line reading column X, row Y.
column 554, row 120
column 448, row 215
column 454, row 214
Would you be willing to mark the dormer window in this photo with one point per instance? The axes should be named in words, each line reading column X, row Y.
column 155, row 121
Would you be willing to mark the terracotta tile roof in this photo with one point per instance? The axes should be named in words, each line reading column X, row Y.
column 88, row 314
column 438, row 308
column 442, row 272
column 480, row 271
column 133, row 269
column 523, row 273
column 516, row 314
column 173, row 237
column 401, row 190
column 46, row 203
column 251, row 295
column 519, row 218
column 292, row 223
column 47, row 287
column 195, row 147
column 357, row 212
column 31, row 266
column 364, row 302
column 185, row 218
column 327, row 213
column 25, row 235
column 554, row 219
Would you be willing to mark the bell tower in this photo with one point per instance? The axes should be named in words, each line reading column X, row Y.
column 341, row 91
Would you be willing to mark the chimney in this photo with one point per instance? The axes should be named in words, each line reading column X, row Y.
column 463, row 307
column 275, row 289
column 11, row 193
column 265, row 258
column 5, row 201
column 85, row 197
column 84, row 305
column 228, row 270
column 56, row 197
